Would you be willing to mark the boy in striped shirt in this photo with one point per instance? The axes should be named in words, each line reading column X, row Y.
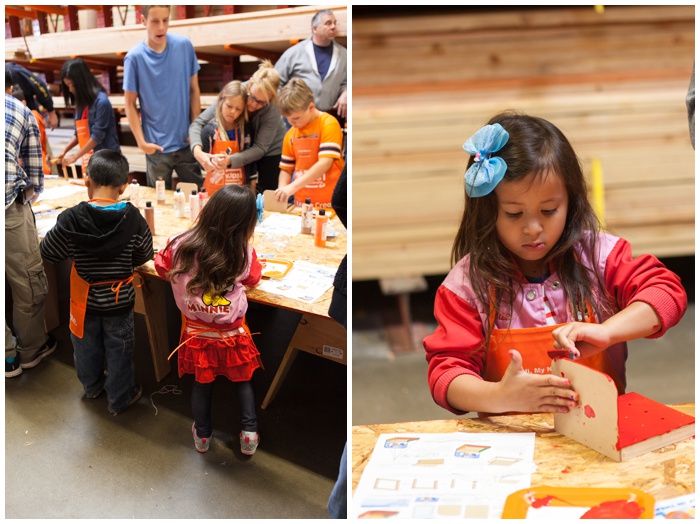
column 106, row 239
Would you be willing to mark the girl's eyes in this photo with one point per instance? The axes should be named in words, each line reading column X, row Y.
column 546, row 212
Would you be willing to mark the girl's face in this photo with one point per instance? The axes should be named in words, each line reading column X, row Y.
column 531, row 218
column 231, row 109
column 69, row 84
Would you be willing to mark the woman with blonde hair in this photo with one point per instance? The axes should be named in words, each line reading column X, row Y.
column 267, row 128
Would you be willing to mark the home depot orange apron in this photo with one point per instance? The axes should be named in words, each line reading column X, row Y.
column 320, row 190
column 533, row 344
column 42, row 140
column 79, row 290
column 82, row 130
column 217, row 179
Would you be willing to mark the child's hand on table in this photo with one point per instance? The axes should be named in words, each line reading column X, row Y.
column 282, row 194
column 533, row 393
column 583, row 338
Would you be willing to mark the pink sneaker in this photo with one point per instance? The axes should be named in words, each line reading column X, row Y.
column 201, row 444
column 249, row 442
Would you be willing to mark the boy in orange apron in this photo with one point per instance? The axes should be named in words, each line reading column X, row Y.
column 312, row 157
column 106, row 238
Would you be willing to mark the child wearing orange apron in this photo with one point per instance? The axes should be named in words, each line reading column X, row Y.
column 312, row 157
column 534, row 272
column 106, row 239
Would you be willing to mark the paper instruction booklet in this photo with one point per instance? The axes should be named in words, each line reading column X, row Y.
column 444, row 475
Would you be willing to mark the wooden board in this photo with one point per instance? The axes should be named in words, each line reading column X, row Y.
column 620, row 427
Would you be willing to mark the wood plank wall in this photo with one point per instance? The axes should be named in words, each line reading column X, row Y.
column 615, row 83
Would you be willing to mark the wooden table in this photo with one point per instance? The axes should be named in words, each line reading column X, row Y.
column 561, row 462
column 317, row 333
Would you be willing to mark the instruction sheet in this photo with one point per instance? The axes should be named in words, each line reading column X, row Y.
column 444, row 475
column 305, row 281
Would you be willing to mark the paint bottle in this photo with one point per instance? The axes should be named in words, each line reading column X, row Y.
column 160, row 191
column 135, row 193
column 179, row 203
column 307, row 216
column 148, row 212
column 320, row 233
column 194, row 205
column 203, row 197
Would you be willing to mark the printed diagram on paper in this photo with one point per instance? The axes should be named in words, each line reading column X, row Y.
column 305, row 281
column 444, row 475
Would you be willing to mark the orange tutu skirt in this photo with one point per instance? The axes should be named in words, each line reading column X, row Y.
column 207, row 358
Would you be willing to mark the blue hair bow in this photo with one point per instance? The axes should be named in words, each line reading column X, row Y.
column 486, row 172
column 259, row 204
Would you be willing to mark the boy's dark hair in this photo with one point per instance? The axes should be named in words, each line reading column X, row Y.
column 108, row 168
column 8, row 78
column 18, row 93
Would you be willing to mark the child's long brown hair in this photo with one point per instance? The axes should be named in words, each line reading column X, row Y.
column 217, row 246
column 535, row 147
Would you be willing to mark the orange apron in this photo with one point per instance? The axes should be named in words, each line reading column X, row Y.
column 216, row 179
column 82, row 130
column 533, row 344
column 320, row 190
column 79, row 290
column 42, row 139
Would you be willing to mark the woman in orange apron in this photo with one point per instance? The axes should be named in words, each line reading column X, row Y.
column 226, row 136
column 95, row 124
column 534, row 272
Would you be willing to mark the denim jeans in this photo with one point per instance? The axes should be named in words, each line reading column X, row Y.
column 201, row 407
column 182, row 161
column 107, row 341
column 338, row 501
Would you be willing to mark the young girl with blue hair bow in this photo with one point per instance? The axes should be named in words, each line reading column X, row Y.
column 533, row 271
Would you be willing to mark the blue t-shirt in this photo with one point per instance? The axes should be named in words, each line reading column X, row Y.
column 324, row 56
column 162, row 81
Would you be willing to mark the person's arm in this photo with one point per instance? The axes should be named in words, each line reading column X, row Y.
column 73, row 142
column 30, row 153
column 132, row 115
column 43, row 96
column 283, row 192
column 649, row 298
column 195, row 132
column 71, row 158
column 456, row 360
column 195, row 102
column 255, row 272
column 341, row 105
column 270, row 121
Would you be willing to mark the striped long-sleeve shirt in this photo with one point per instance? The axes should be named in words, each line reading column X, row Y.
column 22, row 150
column 105, row 243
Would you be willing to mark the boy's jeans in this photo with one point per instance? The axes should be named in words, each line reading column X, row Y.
column 107, row 341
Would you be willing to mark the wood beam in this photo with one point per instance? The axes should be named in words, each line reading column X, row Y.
column 214, row 59
column 43, row 19
column 19, row 13
column 98, row 62
column 258, row 53
column 15, row 27
column 70, row 19
column 51, row 9
column 105, row 18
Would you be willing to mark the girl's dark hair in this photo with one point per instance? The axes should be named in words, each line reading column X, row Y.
column 535, row 147
column 86, row 85
column 216, row 248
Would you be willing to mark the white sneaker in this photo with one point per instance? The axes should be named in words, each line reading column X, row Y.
column 249, row 442
column 201, row 444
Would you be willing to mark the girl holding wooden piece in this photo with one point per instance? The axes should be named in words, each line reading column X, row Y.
column 534, row 271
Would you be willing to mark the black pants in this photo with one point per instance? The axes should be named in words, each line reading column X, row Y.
column 201, row 407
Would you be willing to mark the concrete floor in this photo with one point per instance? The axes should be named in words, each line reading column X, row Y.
column 68, row 457
column 390, row 386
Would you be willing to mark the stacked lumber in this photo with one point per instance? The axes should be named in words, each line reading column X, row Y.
column 614, row 83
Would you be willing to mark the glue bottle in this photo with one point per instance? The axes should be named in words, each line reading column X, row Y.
column 179, row 203
column 160, row 191
column 203, row 197
column 194, row 205
column 135, row 192
column 307, row 216
column 148, row 212
column 320, row 233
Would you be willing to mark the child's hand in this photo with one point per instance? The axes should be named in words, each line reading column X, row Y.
column 69, row 159
column 584, row 338
column 282, row 194
column 532, row 393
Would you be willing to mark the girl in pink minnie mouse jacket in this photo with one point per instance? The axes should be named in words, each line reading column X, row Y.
column 208, row 267
column 532, row 272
